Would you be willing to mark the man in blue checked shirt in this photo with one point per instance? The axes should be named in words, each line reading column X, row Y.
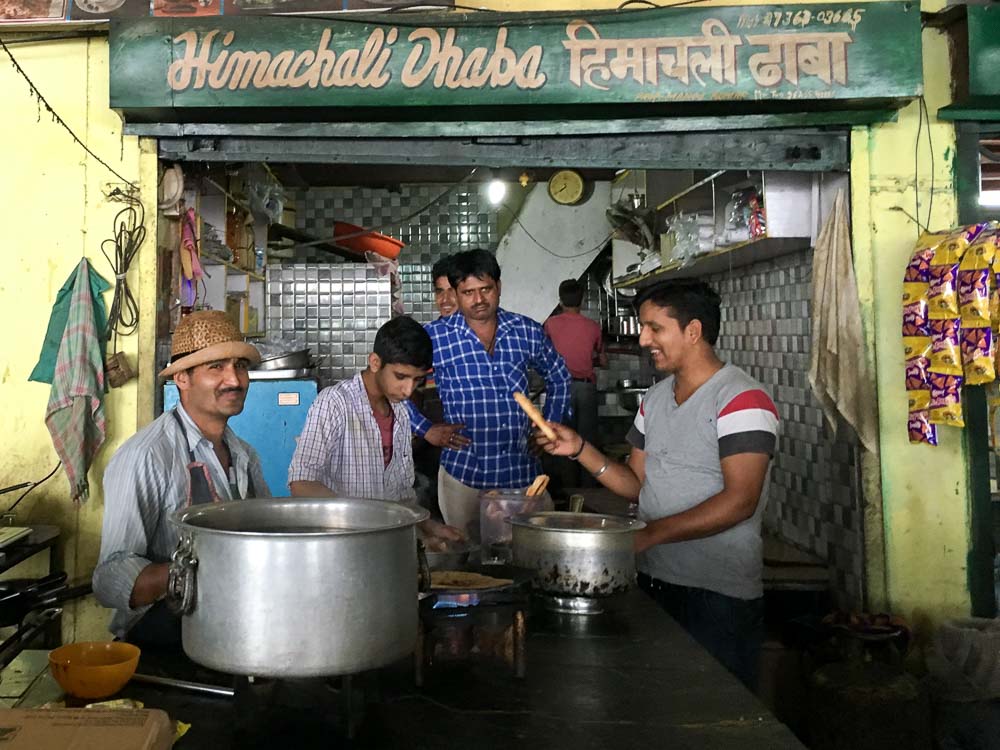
column 481, row 357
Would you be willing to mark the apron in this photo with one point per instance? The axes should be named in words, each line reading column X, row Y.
column 159, row 627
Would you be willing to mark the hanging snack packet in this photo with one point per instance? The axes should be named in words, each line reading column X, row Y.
column 946, row 400
column 976, row 281
column 942, row 299
column 946, row 356
column 916, row 352
column 918, row 269
column 978, row 353
column 920, row 429
column 942, row 293
column 915, row 320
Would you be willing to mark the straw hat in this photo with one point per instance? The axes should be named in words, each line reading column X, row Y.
column 207, row 336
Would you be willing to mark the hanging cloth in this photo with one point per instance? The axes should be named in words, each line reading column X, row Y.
column 75, row 413
column 839, row 369
column 45, row 368
column 191, row 270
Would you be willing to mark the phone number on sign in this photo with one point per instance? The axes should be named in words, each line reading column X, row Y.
column 800, row 18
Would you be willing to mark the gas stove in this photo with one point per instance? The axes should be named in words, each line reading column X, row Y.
column 459, row 627
column 491, row 626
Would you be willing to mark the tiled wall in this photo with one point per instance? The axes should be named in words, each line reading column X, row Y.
column 814, row 500
column 418, row 292
column 334, row 308
column 461, row 221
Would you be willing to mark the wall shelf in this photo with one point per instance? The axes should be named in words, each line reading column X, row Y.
column 231, row 268
column 720, row 260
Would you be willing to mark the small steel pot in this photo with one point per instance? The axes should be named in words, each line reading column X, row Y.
column 576, row 554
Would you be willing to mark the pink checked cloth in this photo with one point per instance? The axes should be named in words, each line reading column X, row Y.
column 75, row 414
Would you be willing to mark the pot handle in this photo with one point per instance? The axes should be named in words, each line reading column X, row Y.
column 181, row 578
column 424, row 568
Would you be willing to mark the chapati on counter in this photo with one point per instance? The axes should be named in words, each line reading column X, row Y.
column 463, row 579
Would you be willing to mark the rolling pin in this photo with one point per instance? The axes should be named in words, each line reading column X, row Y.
column 534, row 415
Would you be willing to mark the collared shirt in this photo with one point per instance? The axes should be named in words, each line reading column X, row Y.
column 341, row 446
column 477, row 389
column 145, row 482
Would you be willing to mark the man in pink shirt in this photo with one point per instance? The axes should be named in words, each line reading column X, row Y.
column 578, row 339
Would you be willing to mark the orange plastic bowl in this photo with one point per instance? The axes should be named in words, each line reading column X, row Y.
column 375, row 242
column 93, row 669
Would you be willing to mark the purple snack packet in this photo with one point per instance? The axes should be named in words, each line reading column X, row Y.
column 920, row 429
column 915, row 320
column 946, row 356
column 946, row 390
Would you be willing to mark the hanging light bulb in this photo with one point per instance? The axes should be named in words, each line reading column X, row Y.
column 496, row 191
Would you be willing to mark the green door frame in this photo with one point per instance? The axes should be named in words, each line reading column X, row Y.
column 981, row 545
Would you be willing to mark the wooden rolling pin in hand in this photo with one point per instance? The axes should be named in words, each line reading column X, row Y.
column 534, row 415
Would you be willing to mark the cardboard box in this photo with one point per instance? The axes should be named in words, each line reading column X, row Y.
column 85, row 729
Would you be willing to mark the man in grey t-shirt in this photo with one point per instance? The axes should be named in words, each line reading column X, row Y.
column 703, row 440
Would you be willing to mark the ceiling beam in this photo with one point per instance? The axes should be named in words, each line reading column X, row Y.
column 813, row 151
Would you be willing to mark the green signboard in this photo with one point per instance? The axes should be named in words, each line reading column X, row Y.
column 984, row 50
column 774, row 53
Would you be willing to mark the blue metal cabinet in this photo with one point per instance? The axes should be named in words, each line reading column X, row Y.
column 271, row 421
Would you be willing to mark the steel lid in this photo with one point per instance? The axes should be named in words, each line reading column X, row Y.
column 299, row 517
column 563, row 521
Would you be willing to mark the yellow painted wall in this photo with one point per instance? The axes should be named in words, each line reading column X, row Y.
column 925, row 490
column 53, row 198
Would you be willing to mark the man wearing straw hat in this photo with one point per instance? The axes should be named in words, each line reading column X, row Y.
column 186, row 456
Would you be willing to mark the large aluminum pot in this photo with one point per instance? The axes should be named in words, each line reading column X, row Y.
column 576, row 554
column 296, row 587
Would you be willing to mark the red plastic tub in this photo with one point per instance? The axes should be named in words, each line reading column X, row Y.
column 373, row 242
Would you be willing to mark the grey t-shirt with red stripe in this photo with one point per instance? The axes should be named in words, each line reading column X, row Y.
column 684, row 445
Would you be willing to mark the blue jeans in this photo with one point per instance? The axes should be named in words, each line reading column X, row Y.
column 730, row 629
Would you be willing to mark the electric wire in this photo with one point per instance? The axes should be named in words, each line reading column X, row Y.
column 923, row 120
column 33, row 485
column 597, row 248
column 120, row 250
column 499, row 19
column 55, row 115
column 930, row 146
